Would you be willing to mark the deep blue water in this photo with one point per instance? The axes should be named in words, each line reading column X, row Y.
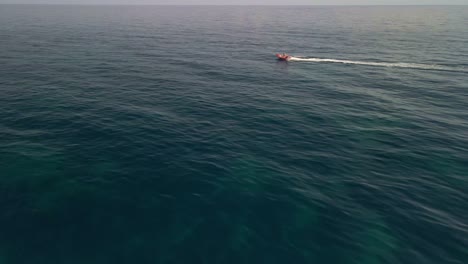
column 171, row 135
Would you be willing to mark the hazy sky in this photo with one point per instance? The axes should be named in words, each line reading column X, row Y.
column 244, row 2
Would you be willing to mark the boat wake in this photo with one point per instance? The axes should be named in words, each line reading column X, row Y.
column 383, row 64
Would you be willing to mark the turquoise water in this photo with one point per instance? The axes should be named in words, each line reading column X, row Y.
column 171, row 135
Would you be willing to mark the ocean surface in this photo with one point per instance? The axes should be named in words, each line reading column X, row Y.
column 149, row 134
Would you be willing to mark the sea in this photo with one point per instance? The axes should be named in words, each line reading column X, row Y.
column 171, row 134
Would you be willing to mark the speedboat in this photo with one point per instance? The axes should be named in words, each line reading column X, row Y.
column 283, row 57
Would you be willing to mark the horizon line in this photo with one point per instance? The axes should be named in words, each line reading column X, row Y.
column 90, row 4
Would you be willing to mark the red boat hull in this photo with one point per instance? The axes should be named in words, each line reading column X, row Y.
column 283, row 57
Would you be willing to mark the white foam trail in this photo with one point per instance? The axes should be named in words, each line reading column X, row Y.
column 381, row 64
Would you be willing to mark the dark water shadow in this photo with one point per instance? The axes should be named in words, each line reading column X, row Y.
column 282, row 66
